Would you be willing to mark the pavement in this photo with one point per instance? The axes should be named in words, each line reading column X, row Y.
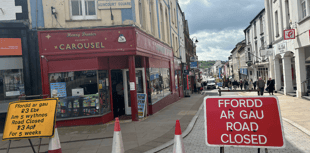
column 158, row 129
column 294, row 109
column 140, row 136
column 296, row 141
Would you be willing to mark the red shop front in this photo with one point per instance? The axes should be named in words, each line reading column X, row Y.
column 97, row 73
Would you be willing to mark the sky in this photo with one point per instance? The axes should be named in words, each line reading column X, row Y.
column 218, row 24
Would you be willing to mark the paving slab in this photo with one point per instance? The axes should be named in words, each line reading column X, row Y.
column 292, row 108
column 138, row 136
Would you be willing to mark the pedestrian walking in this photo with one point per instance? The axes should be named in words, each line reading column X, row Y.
column 195, row 88
column 246, row 85
column 198, row 86
column 229, row 85
column 254, row 84
column 270, row 86
column 235, row 84
column 260, row 86
column 251, row 85
column 241, row 84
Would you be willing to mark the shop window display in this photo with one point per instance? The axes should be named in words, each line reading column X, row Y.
column 176, row 79
column 81, row 93
column 11, row 85
column 180, row 79
column 159, row 83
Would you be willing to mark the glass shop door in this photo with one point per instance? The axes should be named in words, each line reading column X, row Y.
column 140, row 87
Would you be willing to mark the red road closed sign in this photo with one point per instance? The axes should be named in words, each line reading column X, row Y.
column 243, row 122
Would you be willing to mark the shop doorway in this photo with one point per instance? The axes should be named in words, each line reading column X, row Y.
column 118, row 93
column 140, row 87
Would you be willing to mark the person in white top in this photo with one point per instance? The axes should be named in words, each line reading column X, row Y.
column 198, row 86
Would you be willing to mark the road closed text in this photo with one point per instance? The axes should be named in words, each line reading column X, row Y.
column 243, row 121
column 247, row 139
column 242, row 126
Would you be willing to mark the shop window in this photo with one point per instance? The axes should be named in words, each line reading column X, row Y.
column 159, row 83
column 176, row 79
column 83, row 9
column 303, row 9
column 11, row 85
column 81, row 93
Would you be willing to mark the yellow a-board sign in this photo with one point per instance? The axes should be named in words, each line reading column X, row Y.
column 30, row 119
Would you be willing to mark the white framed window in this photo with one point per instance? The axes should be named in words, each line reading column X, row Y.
column 152, row 18
column 277, row 24
column 167, row 26
column 171, row 13
column 141, row 13
column 248, row 36
column 83, row 9
column 261, row 25
column 303, row 9
column 287, row 7
column 175, row 17
column 255, row 33
column 162, row 23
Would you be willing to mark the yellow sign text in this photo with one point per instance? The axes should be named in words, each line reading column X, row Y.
column 30, row 119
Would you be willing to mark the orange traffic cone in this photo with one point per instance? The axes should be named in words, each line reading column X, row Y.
column 117, row 146
column 54, row 145
column 178, row 146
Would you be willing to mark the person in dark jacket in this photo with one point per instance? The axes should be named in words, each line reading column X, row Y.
column 270, row 86
column 241, row 84
column 254, row 84
column 235, row 84
column 246, row 85
column 260, row 86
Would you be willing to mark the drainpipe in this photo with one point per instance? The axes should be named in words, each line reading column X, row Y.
column 36, row 14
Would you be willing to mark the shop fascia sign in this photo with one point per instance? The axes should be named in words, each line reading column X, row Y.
column 10, row 46
column 267, row 52
column 281, row 48
column 194, row 58
column 113, row 4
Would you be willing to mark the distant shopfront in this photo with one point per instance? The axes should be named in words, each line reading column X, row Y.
column 97, row 73
column 18, row 76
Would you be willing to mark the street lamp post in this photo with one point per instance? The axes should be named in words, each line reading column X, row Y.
column 193, row 52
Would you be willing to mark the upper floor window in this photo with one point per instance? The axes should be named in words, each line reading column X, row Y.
column 175, row 17
column 152, row 18
column 162, row 23
column 255, row 30
column 83, row 9
column 277, row 24
column 287, row 7
column 303, row 9
column 171, row 13
column 248, row 36
column 141, row 13
column 261, row 25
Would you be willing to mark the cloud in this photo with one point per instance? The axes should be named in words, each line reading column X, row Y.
column 219, row 24
column 183, row 3
column 220, row 14
column 217, row 44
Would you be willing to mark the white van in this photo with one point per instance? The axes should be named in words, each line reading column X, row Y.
column 211, row 83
